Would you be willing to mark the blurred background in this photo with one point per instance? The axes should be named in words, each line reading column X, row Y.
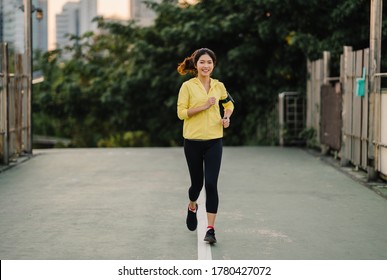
column 105, row 70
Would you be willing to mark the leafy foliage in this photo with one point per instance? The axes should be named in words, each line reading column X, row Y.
column 124, row 79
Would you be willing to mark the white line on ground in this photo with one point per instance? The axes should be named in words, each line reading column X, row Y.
column 204, row 249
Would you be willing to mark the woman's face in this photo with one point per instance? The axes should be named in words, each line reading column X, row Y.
column 205, row 65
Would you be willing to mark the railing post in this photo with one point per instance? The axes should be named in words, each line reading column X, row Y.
column 327, row 60
column 5, row 105
column 374, row 83
column 28, row 70
column 346, row 113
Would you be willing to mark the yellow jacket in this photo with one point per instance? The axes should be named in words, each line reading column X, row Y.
column 207, row 124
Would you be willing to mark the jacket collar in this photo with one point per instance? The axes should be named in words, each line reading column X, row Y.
column 214, row 82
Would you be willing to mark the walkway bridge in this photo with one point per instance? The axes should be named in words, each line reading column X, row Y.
column 129, row 204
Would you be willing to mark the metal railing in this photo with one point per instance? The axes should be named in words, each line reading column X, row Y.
column 292, row 113
column 15, row 115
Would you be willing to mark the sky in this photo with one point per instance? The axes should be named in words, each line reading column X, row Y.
column 109, row 7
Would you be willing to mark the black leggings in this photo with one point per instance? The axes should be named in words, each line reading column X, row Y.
column 208, row 152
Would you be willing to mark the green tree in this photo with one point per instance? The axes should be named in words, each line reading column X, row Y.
column 125, row 79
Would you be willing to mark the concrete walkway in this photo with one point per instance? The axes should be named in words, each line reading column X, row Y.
column 275, row 203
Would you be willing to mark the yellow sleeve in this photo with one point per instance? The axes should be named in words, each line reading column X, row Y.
column 228, row 106
column 223, row 94
column 183, row 102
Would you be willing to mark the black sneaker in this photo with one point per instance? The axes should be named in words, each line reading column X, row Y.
column 210, row 236
column 192, row 221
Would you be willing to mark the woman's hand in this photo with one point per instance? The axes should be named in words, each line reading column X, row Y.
column 211, row 101
column 193, row 111
column 226, row 122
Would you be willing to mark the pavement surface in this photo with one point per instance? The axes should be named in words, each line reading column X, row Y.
column 130, row 204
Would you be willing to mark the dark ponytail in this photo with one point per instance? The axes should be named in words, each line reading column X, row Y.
column 189, row 63
column 187, row 66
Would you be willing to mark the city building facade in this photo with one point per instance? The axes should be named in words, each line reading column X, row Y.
column 12, row 25
column 140, row 12
column 67, row 23
column 87, row 12
column 76, row 18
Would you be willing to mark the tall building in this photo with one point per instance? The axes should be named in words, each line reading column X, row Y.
column 141, row 13
column 67, row 23
column 12, row 25
column 13, row 28
column 87, row 12
column 75, row 19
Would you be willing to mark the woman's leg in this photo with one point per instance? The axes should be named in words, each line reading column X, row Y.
column 212, row 162
column 211, row 219
column 194, row 156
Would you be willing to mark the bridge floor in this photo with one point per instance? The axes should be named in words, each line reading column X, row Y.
column 275, row 203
